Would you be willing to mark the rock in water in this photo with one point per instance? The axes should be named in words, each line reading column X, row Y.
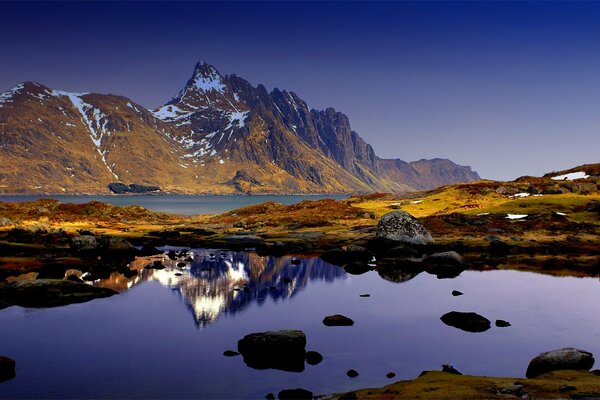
column 313, row 357
column 500, row 323
column 445, row 259
column 401, row 227
column 337, row 320
column 567, row 358
column 284, row 350
column 352, row 373
column 43, row 293
column 295, row 394
column 466, row 321
column 7, row 368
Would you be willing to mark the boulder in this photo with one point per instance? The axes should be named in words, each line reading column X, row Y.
column 352, row 373
column 337, row 320
column 295, row 394
column 401, row 227
column 500, row 323
column 313, row 357
column 115, row 243
column 466, row 321
column 445, row 259
column 284, row 350
column 84, row 243
column 7, row 368
column 43, row 293
column 567, row 358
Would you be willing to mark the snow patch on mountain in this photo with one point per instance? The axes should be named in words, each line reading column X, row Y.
column 7, row 97
column 571, row 176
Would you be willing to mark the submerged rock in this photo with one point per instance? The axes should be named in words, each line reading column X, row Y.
column 567, row 358
column 51, row 293
column 401, row 227
column 500, row 323
column 284, row 350
column 7, row 368
column 337, row 320
column 466, row 321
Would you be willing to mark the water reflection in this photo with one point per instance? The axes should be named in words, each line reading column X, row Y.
column 213, row 283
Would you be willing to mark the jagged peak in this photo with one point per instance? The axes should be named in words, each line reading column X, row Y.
column 206, row 78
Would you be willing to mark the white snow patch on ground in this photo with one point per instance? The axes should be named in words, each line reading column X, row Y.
column 520, row 195
column 560, row 213
column 7, row 97
column 416, row 202
column 571, row 176
column 237, row 118
column 516, row 216
column 482, row 214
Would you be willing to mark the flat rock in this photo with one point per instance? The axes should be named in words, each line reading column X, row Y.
column 466, row 321
column 401, row 227
column 295, row 394
column 566, row 358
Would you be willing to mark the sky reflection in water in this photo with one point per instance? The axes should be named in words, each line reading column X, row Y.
column 143, row 342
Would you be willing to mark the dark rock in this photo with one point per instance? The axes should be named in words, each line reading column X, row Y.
column 115, row 243
column 390, row 375
column 178, row 274
column 149, row 250
column 512, row 390
column 74, row 278
column 172, row 254
column 364, row 295
column 500, row 323
column 457, row 293
column 181, row 265
column 43, row 293
column 287, row 281
column 157, row 265
column 466, row 321
column 400, row 226
column 567, row 358
column 84, row 243
column 357, row 268
column 444, row 259
column 313, row 357
column 284, row 350
column 352, row 373
column 337, row 320
column 270, row 396
column 566, row 388
column 7, row 368
column 130, row 273
column 230, row 353
column 295, row 261
column 349, row 254
column 295, row 394
column 450, row 369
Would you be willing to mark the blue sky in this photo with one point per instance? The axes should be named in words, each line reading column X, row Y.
column 510, row 88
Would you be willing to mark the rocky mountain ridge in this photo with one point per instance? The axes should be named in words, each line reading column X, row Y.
column 219, row 135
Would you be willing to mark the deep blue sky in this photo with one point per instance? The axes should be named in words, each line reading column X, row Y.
column 509, row 88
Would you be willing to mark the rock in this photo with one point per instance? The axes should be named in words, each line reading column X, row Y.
column 84, row 243
column 230, row 353
column 348, row 254
column 115, row 243
column 352, row 373
column 313, row 357
column 149, row 250
column 567, row 358
column 450, row 369
column 445, row 259
column 390, row 375
column 51, row 293
column 357, row 268
column 287, row 281
column 73, row 278
column 283, row 350
column 566, row 388
column 270, row 396
column 7, row 368
column 337, row 320
column 457, row 293
column 156, row 265
column 512, row 390
column 400, row 226
column 500, row 323
column 295, row 394
column 466, row 321
column 295, row 261
column 364, row 295
column 130, row 273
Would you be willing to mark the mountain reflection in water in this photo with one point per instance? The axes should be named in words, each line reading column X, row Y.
column 215, row 282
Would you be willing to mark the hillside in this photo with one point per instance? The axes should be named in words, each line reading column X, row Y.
column 219, row 135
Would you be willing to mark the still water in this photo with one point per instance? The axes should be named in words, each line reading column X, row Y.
column 174, row 204
column 164, row 335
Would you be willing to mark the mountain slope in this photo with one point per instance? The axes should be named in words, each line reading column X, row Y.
column 218, row 135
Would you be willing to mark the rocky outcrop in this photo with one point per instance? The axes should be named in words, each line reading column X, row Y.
column 401, row 227
column 561, row 359
column 7, row 368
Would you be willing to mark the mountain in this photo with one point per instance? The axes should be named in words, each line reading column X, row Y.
column 219, row 135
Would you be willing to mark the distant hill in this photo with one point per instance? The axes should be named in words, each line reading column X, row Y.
column 219, row 135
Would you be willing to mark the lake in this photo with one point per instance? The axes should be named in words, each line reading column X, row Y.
column 175, row 204
column 165, row 334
